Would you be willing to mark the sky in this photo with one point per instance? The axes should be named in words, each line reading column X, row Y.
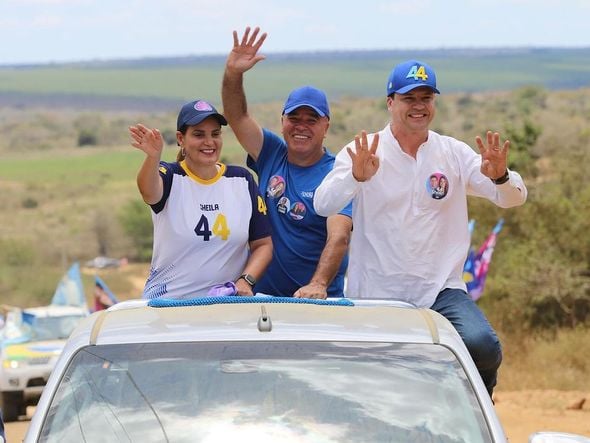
column 45, row 31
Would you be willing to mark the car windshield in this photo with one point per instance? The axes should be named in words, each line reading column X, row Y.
column 265, row 391
column 53, row 328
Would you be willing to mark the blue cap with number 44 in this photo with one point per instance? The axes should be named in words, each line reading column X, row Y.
column 410, row 75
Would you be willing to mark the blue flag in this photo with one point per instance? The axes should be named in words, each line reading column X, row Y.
column 70, row 291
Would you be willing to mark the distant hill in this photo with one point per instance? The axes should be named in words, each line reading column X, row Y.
column 164, row 83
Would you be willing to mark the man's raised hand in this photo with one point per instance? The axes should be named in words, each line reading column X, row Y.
column 494, row 156
column 244, row 54
column 365, row 162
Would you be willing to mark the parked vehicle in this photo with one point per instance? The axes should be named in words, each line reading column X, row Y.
column 265, row 369
column 31, row 343
column 102, row 262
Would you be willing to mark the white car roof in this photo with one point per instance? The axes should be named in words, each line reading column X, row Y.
column 136, row 322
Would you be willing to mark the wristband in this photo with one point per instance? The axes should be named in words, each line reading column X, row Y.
column 501, row 180
column 249, row 279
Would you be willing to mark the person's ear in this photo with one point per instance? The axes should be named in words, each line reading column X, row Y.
column 389, row 101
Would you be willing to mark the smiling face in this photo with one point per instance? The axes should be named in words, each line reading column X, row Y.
column 202, row 144
column 304, row 132
column 412, row 112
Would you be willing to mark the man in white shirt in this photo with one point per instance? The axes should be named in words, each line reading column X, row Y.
column 410, row 241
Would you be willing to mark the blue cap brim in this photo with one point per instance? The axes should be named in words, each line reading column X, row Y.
column 299, row 105
column 408, row 88
column 199, row 118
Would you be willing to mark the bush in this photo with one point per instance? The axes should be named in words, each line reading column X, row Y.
column 169, row 136
column 87, row 137
column 15, row 253
column 137, row 223
column 30, row 203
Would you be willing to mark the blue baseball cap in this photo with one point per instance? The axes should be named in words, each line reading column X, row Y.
column 308, row 96
column 193, row 113
column 410, row 75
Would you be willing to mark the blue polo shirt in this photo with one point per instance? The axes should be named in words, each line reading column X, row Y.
column 299, row 234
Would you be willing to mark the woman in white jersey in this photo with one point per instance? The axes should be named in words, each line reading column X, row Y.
column 210, row 222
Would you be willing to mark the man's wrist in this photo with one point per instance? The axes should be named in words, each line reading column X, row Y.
column 318, row 283
column 501, row 180
column 248, row 278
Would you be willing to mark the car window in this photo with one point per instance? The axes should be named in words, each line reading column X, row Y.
column 268, row 391
column 54, row 328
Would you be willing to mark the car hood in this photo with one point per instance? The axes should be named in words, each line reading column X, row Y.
column 36, row 349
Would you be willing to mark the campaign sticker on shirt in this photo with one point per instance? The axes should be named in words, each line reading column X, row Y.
column 276, row 187
column 283, row 205
column 437, row 185
column 297, row 211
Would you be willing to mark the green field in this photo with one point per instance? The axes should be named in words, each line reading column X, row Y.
column 82, row 167
column 341, row 74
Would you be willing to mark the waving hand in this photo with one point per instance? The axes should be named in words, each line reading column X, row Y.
column 365, row 162
column 147, row 140
column 494, row 157
column 244, row 54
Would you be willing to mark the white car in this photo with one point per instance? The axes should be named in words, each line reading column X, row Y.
column 265, row 369
column 30, row 349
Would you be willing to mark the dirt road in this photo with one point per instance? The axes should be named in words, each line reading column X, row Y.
column 521, row 413
column 15, row 431
column 525, row 412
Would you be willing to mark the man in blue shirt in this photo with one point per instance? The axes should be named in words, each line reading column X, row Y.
column 309, row 251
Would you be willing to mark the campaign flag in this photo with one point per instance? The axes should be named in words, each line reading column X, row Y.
column 99, row 283
column 477, row 264
column 70, row 291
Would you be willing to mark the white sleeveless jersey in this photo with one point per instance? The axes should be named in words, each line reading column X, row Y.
column 202, row 229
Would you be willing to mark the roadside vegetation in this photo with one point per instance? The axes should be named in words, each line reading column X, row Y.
column 68, row 193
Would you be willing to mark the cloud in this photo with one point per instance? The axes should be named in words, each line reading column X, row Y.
column 50, row 2
column 401, row 7
column 9, row 23
column 46, row 21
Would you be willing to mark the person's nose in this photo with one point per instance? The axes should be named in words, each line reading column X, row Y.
column 301, row 126
column 209, row 140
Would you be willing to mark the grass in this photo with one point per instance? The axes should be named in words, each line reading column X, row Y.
column 86, row 165
column 75, row 168
column 560, row 361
